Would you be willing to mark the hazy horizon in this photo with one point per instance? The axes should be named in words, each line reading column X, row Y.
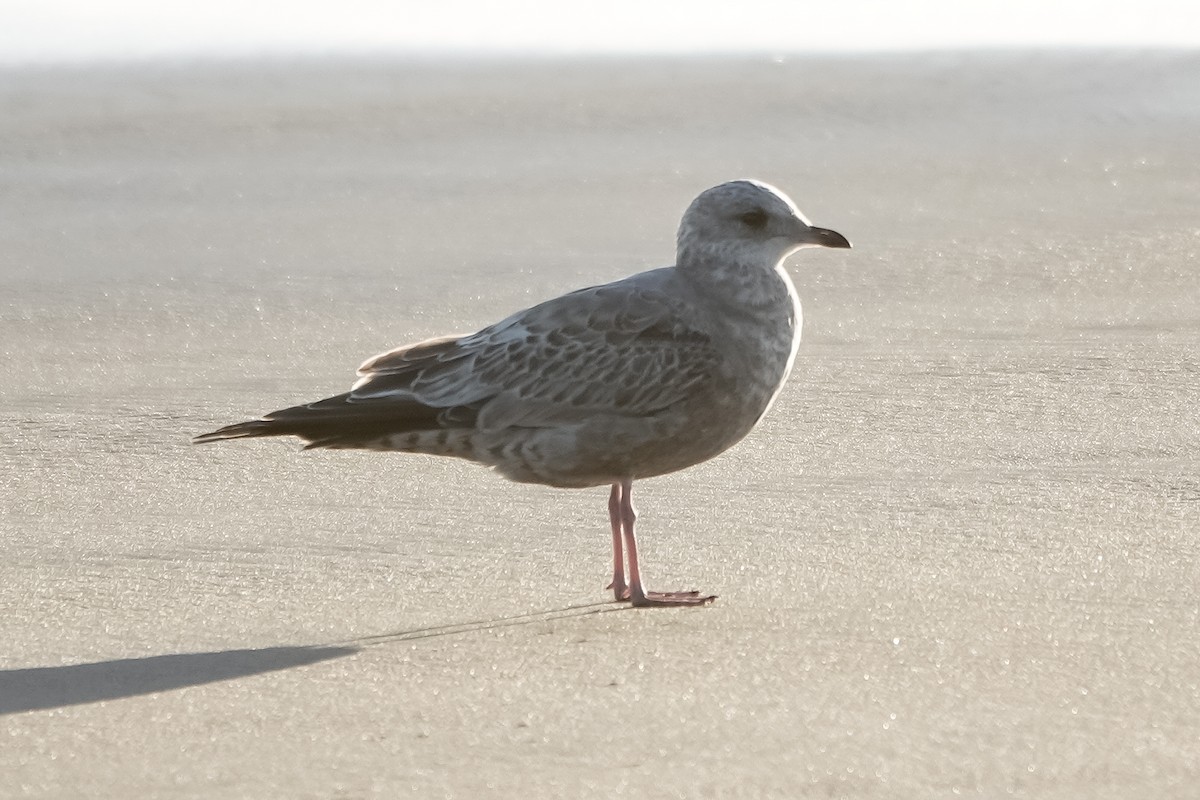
column 70, row 31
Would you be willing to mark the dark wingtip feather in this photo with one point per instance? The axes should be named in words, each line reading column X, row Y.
column 241, row 430
column 340, row 423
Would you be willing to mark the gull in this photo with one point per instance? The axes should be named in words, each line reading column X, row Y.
column 602, row 386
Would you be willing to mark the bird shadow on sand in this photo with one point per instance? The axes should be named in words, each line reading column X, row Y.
column 40, row 688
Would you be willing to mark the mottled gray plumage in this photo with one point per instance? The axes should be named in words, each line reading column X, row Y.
column 606, row 385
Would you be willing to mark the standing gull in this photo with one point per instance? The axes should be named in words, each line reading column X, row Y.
column 602, row 386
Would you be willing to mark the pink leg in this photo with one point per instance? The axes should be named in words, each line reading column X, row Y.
column 618, row 585
column 637, row 594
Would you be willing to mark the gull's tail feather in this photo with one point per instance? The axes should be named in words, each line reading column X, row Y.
column 339, row 422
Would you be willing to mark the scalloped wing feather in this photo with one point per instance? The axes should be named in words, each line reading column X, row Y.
column 608, row 349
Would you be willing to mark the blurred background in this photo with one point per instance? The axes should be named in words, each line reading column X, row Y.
column 58, row 30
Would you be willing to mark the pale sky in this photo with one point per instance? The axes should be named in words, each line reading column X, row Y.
column 71, row 30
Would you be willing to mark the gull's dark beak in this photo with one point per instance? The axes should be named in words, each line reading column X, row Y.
column 827, row 238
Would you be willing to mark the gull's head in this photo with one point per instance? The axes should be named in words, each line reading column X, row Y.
column 748, row 222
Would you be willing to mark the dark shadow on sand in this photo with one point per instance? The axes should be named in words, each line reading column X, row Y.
column 54, row 687
column 38, row 688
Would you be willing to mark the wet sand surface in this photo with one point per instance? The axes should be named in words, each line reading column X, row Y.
column 959, row 557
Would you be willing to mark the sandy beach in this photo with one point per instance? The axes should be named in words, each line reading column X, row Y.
column 961, row 556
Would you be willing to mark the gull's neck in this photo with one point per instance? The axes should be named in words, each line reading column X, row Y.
column 750, row 281
column 759, row 310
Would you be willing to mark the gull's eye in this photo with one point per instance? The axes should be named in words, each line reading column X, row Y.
column 756, row 219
